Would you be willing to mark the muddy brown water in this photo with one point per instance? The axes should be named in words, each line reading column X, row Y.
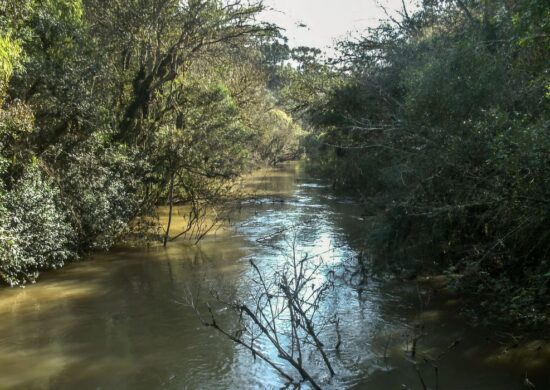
column 119, row 320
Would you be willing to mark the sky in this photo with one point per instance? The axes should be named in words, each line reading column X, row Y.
column 326, row 20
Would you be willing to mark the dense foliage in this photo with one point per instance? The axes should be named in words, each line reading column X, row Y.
column 108, row 109
column 441, row 125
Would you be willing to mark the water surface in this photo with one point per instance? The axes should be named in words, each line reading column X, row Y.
column 119, row 320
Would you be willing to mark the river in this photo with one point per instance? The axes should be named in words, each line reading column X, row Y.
column 122, row 319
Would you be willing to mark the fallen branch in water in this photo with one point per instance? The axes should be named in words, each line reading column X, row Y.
column 282, row 308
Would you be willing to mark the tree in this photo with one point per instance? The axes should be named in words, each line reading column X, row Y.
column 440, row 125
column 117, row 107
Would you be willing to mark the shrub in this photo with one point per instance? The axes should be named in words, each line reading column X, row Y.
column 34, row 230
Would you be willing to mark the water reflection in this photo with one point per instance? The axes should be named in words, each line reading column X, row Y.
column 119, row 320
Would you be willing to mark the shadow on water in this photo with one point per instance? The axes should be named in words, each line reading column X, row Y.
column 118, row 320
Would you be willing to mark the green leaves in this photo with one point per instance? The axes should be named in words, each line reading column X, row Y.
column 102, row 103
column 35, row 233
column 442, row 128
column 10, row 52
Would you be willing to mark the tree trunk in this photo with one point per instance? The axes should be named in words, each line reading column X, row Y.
column 170, row 209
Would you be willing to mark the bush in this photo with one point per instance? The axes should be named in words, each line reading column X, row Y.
column 100, row 185
column 34, row 230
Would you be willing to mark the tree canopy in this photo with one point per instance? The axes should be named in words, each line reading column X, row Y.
column 109, row 109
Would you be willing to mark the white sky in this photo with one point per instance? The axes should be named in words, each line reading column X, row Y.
column 326, row 20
